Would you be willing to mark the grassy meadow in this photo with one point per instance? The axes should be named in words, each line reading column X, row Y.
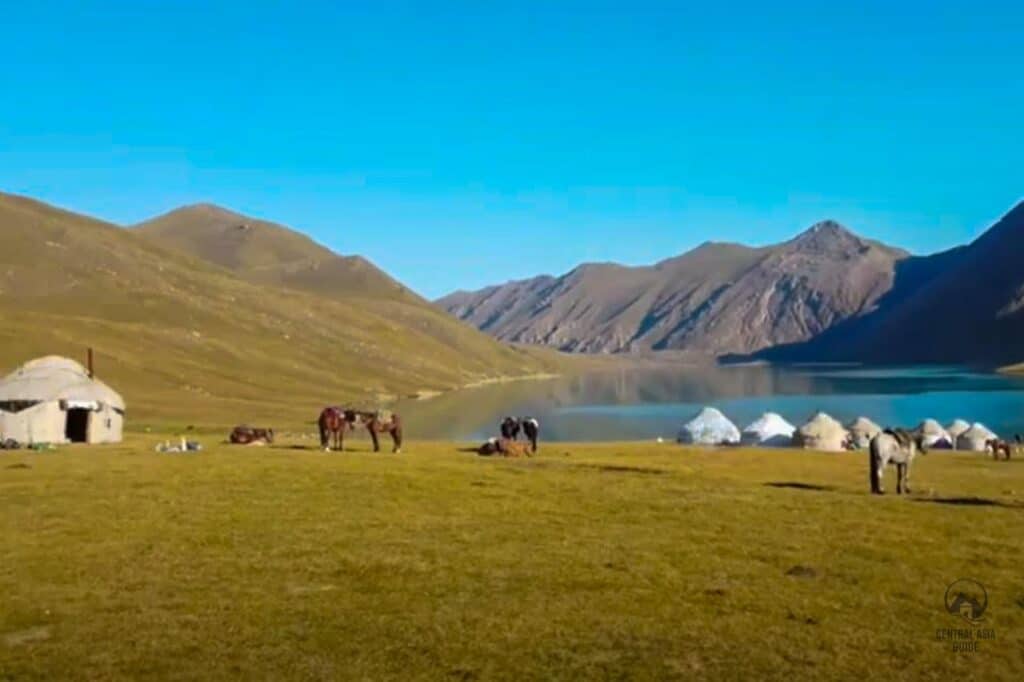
column 611, row 561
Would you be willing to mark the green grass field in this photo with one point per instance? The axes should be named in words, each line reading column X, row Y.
column 621, row 561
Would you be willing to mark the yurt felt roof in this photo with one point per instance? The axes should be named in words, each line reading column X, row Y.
column 822, row 424
column 957, row 427
column 932, row 427
column 978, row 431
column 770, row 424
column 710, row 426
column 56, row 378
column 863, row 425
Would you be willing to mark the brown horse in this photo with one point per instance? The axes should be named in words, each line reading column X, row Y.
column 998, row 445
column 375, row 424
column 333, row 423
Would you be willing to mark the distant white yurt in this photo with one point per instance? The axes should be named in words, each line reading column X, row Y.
column 54, row 400
column 862, row 430
column 956, row 428
column 769, row 430
column 710, row 427
column 974, row 438
column 933, row 436
column 822, row 432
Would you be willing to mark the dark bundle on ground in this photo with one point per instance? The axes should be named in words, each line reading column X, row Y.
column 246, row 435
column 513, row 448
column 505, row 447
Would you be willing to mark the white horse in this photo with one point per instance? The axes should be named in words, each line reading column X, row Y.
column 898, row 447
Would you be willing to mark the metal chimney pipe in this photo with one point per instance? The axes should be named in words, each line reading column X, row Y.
column 90, row 363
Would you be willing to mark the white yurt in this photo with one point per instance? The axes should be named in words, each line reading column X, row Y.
column 956, row 428
column 934, row 436
column 862, row 430
column 974, row 438
column 769, row 430
column 710, row 427
column 55, row 400
column 822, row 432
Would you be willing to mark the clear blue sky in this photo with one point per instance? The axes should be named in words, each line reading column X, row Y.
column 460, row 144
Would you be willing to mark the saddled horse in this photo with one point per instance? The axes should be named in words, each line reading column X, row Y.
column 333, row 424
column 376, row 423
column 894, row 446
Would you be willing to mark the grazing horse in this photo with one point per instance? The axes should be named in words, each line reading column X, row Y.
column 898, row 447
column 332, row 423
column 998, row 445
column 531, row 429
column 510, row 428
column 375, row 423
column 246, row 435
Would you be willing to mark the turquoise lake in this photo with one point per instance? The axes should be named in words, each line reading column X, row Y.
column 647, row 404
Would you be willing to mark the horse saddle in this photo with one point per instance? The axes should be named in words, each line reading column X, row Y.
column 902, row 436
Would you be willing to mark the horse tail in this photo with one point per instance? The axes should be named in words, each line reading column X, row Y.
column 322, row 423
column 874, row 459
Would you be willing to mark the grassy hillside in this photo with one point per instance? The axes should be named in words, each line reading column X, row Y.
column 186, row 340
column 619, row 561
column 267, row 253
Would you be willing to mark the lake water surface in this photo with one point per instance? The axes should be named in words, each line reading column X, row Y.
column 646, row 403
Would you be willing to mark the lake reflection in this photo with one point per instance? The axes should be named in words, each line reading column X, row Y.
column 641, row 404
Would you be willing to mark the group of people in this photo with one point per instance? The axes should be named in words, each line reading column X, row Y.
column 508, row 443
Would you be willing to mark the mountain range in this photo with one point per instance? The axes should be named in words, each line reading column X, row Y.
column 210, row 315
column 213, row 316
column 827, row 294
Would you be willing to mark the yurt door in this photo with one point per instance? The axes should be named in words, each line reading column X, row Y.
column 77, row 428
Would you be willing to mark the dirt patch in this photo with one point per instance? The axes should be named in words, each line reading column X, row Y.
column 39, row 633
column 800, row 571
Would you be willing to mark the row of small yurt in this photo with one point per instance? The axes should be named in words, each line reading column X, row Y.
column 711, row 427
column 822, row 432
